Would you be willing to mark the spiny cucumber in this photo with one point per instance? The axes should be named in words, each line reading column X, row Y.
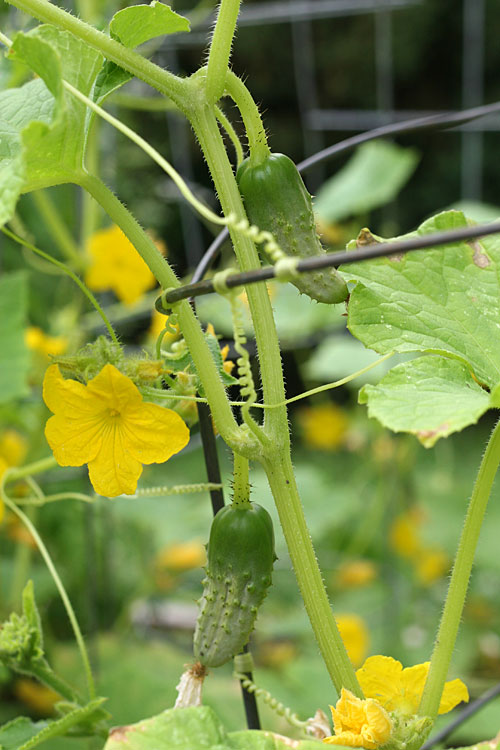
column 239, row 568
column 277, row 200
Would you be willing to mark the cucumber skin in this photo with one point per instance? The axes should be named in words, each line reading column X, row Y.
column 277, row 200
column 239, row 569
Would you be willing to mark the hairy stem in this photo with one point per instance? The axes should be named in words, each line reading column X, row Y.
column 256, row 134
column 220, row 49
column 460, row 576
column 284, row 489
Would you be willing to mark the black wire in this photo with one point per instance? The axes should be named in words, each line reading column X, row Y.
column 367, row 252
column 467, row 712
column 407, row 126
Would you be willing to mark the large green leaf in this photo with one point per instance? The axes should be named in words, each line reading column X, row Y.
column 14, row 360
column 445, row 300
column 194, row 727
column 51, row 124
column 430, row 397
column 11, row 170
column 140, row 23
column 372, row 177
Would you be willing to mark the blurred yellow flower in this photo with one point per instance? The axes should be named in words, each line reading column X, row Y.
column 355, row 573
column 355, row 635
column 431, row 564
column 107, row 425
column 17, row 532
column 13, row 449
column 403, row 534
column 359, row 723
column 115, row 264
column 323, row 426
column 395, row 688
column 182, row 556
column 40, row 342
column 39, row 698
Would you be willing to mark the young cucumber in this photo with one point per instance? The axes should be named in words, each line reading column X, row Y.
column 277, row 200
column 240, row 563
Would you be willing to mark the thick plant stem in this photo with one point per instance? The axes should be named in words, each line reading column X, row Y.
column 277, row 462
column 254, row 127
column 220, row 49
column 457, row 590
column 160, row 79
column 206, row 128
column 282, row 481
column 205, row 365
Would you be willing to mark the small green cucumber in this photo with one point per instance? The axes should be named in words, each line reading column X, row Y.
column 239, row 569
column 277, row 200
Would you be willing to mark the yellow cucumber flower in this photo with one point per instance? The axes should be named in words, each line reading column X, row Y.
column 398, row 689
column 116, row 264
column 359, row 723
column 107, row 425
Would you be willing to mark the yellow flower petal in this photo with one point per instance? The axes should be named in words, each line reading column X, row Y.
column 378, row 728
column 155, row 434
column 455, row 691
column 348, row 713
column 379, row 678
column 359, row 723
column 114, row 471
column 107, row 425
column 412, row 686
column 114, row 389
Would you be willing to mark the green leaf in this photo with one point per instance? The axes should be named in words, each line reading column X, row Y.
column 111, row 77
column 30, row 611
column 195, row 727
column 430, row 397
column 17, row 732
column 51, row 124
column 15, row 357
column 445, row 301
column 23, row 734
column 140, row 23
column 372, row 177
